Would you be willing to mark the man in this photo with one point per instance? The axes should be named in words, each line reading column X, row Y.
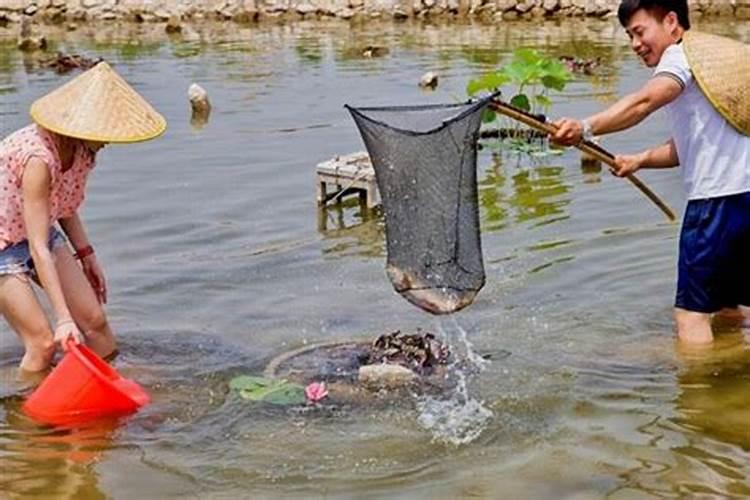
column 714, row 152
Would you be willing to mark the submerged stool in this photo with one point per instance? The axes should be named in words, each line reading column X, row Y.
column 350, row 174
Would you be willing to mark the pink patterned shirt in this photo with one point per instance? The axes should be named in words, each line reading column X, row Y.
column 66, row 190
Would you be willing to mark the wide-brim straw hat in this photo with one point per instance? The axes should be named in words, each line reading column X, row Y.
column 98, row 105
column 721, row 68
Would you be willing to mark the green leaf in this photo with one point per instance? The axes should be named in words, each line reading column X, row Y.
column 490, row 81
column 248, row 383
column 527, row 56
column 543, row 100
column 267, row 390
column 488, row 116
column 285, row 394
column 553, row 82
column 521, row 101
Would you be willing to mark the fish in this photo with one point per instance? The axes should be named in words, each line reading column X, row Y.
column 434, row 299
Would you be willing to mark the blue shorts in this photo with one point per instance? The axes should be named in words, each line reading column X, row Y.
column 714, row 263
column 16, row 259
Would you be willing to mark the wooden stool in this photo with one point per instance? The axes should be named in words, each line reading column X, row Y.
column 351, row 174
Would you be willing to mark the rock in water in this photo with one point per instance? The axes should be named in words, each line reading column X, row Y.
column 386, row 376
column 428, row 81
column 200, row 104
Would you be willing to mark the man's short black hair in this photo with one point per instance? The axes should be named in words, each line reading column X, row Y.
column 657, row 8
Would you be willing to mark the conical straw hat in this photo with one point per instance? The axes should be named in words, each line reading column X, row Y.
column 721, row 67
column 98, row 105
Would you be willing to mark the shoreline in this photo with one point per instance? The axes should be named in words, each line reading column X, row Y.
column 254, row 11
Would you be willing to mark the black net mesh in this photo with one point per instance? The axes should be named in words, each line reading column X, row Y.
column 425, row 165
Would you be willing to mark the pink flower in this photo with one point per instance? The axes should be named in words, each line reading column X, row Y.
column 316, row 391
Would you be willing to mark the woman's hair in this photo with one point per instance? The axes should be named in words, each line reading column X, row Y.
column 657, row 8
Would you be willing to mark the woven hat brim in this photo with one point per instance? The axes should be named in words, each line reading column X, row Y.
column 98, row 105
column 721, row 68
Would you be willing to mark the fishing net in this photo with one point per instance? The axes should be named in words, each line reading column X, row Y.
column 425, row 167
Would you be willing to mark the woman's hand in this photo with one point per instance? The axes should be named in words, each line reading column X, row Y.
column 627, row 164
column 95, row 275
column 65, row 330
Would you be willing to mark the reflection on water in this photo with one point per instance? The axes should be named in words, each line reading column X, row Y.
column 530, row 194
column 218, row 259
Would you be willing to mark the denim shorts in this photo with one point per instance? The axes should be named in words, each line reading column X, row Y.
column 16, row 259
column 714, row 263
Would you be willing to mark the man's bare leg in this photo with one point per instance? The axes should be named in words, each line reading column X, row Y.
column 693, row 328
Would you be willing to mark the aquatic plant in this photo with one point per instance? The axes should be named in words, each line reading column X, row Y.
column 273, row 391
column 533, row 76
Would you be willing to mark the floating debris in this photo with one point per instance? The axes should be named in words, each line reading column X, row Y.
column 581, row 65
column 353, row 369
column 64, row 63
column 429, row 81
column 419, row 352
column 375, row 51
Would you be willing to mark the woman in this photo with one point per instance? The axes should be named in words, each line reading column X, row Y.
column 43, row 173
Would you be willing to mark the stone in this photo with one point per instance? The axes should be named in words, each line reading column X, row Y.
column 173, row 25
column 550, row 5
column 524, row 6
column 306, row 9
column 429, row 80
column 32, row 43
column 14, row 4
column 199, row 99
column 385, row 376
column 87, row 4
column 742, row 13
column 31, row 10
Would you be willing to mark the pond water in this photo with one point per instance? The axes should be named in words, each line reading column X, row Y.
column 218, row 259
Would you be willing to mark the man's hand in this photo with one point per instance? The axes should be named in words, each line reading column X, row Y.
column 627, row 164
column 569, row 132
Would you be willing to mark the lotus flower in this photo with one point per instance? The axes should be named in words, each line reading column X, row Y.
column 316, row 391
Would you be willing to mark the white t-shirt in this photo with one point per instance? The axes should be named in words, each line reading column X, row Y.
column 714, row 156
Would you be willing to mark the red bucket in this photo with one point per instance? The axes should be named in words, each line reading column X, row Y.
column 83, row 387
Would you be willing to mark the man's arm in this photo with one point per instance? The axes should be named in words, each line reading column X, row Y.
column 628, row 111
column 664, row 156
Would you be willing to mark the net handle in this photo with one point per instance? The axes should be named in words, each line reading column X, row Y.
column 587, row 147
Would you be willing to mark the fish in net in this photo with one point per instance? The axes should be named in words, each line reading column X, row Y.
column 425, row 161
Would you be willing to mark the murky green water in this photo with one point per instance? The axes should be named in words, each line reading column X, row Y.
column 218, row 259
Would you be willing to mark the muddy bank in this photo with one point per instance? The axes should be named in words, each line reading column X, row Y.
column 61, row 11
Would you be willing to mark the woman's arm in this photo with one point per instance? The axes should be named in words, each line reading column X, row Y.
column 74, row 229
column 35, row 186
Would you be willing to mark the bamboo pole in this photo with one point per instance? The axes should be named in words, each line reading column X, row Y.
column 588, row 147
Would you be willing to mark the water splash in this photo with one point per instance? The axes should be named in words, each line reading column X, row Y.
column 459, row 418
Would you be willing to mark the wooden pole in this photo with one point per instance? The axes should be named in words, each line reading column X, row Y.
column 586, row 146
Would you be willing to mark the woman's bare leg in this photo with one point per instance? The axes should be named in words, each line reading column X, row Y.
column 85, row 308
column 24, row 314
